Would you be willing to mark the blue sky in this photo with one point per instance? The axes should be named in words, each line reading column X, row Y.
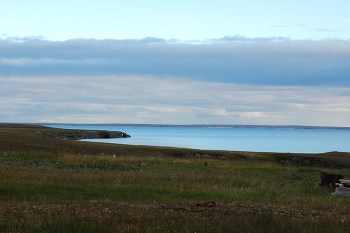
column 175, row 62
column 180, row 19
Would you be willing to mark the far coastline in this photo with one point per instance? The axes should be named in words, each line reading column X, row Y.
column 199, row 125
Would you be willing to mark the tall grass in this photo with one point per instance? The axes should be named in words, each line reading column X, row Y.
column 171, row 180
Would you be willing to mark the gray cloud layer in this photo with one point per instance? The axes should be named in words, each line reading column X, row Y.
column 147, row 99
column 236, row 59
column 230, row 80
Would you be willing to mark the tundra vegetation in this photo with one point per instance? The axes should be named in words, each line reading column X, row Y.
column 49, row 184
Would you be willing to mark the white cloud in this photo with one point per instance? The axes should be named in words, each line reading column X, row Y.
column 327, row 30
column 12, row 62
column 252, row 114
column 152, row 99
column 163, row 110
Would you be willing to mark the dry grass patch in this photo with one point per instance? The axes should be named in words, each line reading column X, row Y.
column 107, row 216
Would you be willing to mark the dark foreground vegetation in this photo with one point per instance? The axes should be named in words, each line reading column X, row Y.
column 49, row 184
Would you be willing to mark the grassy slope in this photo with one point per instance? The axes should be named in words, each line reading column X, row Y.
column 48, row 183
column 25, row 138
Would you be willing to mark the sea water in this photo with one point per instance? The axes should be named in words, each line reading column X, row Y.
column 232, row 139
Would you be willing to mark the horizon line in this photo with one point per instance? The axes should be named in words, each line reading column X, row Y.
column 192, row 125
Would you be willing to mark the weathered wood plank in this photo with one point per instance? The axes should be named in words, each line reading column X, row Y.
column 344, row 181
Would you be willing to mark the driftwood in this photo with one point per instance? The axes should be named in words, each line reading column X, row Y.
column 344, row 181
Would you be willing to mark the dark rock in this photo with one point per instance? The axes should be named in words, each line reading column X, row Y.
column 241, row 158
column 300, row 161
column 89, row 134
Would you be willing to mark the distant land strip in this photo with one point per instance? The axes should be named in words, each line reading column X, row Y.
column 203, row 126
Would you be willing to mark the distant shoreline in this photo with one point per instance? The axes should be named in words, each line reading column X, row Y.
column 205, row 126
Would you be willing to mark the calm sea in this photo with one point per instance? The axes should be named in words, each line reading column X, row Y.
column 233, row 139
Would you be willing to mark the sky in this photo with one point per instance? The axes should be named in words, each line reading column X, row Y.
column 267, row 62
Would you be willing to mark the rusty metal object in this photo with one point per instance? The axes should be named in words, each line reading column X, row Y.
column 207, row 203
column 327, row 179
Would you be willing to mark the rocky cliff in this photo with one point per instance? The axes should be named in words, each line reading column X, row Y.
column 87, row 134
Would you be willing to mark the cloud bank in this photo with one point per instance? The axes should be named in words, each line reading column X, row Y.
column 229, row 80
column 148, row 99
column 236, row 59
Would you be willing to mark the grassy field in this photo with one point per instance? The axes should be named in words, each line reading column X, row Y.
column 56, row 185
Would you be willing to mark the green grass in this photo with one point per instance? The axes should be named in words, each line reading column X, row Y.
column 54, row 185
column 281, row 187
